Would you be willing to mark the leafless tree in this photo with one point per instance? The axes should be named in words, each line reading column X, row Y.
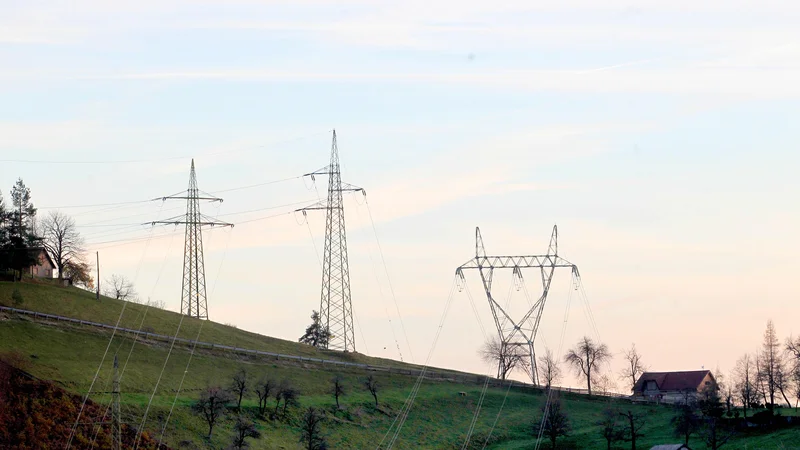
column 715, row 431
column 120, row 288
column 62, row 241
column 554, row 423
column 337, row 388
column 744, row 374
column 288, row 394
column 310, row 432
column 685, row 422
column 611, row 426
column 585, row 359
column 372, row 386
column 549, row 370
column 211, row 406
column 263, row 389
column 724, row 388
column 604, row 383
column 634, row 422
column 239, row 386
column 634, row 366
column 793, row 349
column 771, row 367
column 508, row 357
column 243, row 428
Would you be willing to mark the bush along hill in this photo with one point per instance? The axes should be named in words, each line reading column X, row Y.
column 214, row 398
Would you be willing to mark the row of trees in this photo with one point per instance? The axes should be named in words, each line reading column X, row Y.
column 215, row 402
column 586, row 359
column 703, row 416
column 769, row 377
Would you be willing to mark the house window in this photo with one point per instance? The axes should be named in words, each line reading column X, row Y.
column 650, row 386
column 36, row 271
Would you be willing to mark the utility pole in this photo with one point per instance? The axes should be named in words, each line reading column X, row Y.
column 194, row 302
column 97, row 254
column 336, row 309
column 116, row 428
column 521, row 333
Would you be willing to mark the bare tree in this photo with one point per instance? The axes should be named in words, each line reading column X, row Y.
column 634, row 422
column 586, row 357
column 610, row 426
column 604, row 384
column 372, row 386
column 62, row 240
column 337, row 388
column 263, row 389
column 715, row 431
column 548, row 367
column 239, row 386
column 120, row 288
column 310, row 432
column 507, row 357
column 745, row 382
column 289, row 394
column 243, row 429
column 553, row 423
column 211, row 406
column 771, row 364
column 685, row 422
column 634, row 366
column 725, row 389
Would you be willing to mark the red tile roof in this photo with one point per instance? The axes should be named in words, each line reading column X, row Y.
column 673, row 381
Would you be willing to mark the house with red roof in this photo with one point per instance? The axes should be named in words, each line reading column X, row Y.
column 672, row 387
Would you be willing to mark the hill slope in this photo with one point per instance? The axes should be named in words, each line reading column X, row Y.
column 70, row 354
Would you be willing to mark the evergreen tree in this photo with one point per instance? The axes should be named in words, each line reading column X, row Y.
column 19, row 235
column 316, row 334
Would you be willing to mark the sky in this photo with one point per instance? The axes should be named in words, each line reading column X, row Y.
column 659, row 136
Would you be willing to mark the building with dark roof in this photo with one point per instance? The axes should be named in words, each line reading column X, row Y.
column 672, row 387
column 44, row 267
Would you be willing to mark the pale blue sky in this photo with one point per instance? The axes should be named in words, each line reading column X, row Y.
column 660, row 136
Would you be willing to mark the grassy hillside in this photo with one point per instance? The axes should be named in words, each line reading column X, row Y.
column 439, row 419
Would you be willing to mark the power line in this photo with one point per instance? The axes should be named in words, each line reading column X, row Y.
column 194, row 302
column 336, row 307
column 256, row 185
column 164, row 158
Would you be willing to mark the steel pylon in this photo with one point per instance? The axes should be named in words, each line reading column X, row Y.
column 522, row 332
column 336, row 309
column 194, row 300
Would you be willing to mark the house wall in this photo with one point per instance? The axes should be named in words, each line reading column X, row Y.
column 43, row 269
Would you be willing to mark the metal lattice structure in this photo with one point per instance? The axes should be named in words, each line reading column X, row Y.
column 522, row 332
column 194, row 300
column 336, row 309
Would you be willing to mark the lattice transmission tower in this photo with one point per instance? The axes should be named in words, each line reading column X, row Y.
column 194, row 301
column 336, row 309
column 522, row 332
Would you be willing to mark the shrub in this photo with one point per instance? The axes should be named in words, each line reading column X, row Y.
column 16, row 298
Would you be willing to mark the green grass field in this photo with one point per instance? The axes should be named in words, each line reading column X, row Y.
column 439, row 419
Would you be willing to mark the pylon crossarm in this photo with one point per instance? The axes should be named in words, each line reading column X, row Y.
column 211, row 199
column 183, row 222
column 521, row 262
